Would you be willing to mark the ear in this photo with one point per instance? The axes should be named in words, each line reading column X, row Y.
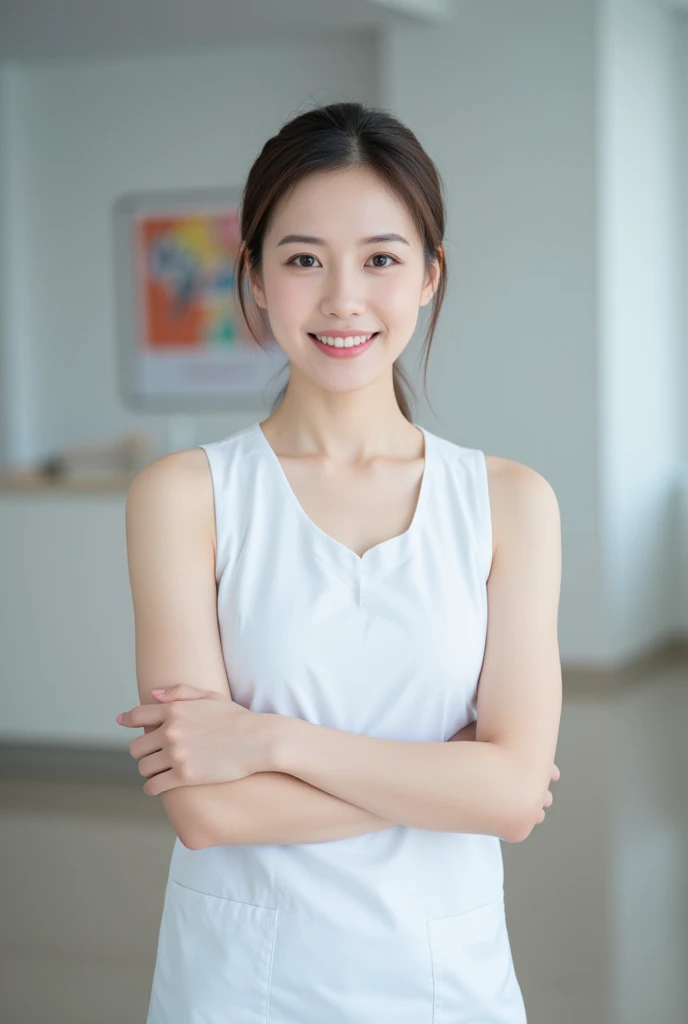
column 432, row 279
column 255, row 286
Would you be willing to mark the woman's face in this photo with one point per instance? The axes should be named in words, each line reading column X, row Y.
column 339, row 280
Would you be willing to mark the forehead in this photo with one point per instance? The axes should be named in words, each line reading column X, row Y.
column 341, row 205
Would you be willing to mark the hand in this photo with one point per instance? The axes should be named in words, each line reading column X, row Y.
column 468, row 733
column 196, row 736
column 556, row 775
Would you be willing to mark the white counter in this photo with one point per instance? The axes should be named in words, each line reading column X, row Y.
column 67, row 663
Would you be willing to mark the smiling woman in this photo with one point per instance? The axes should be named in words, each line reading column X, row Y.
column 345, row 283
column 334, row 593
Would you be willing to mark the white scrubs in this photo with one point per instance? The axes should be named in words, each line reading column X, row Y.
column 404, row 925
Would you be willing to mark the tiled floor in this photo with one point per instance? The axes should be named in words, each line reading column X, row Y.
column 597, row 901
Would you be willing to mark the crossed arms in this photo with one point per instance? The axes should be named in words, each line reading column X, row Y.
column 272, row 807
column 496, row 784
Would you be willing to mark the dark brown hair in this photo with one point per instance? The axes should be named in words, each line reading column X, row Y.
column 336, row 137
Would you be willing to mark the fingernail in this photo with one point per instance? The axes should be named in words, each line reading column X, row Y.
column 119, row 717
column 158, row 691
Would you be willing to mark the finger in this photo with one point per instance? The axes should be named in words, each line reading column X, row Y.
column 154, row 764
column 149, row 743
column 161, row 783
column 181, row 691
column 556, row 774
column 142, row 714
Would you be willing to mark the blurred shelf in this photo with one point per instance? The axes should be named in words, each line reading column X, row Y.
column 32, row 482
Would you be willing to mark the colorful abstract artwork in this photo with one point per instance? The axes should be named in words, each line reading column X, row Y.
column 181, row 326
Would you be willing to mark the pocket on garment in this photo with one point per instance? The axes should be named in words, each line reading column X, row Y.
column 472, row 968
column 214, row 960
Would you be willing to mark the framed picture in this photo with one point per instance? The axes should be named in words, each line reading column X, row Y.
column 183, row 343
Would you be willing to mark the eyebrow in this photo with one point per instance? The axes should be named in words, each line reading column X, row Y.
column 371, row 240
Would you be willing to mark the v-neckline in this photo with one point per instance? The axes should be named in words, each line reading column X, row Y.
column 373, row 555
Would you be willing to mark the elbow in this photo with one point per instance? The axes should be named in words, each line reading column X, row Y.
column 522, row 824
column 525, row 801
column 192, row 840
column 518, row 830
column 186, row 817
column 202, row 839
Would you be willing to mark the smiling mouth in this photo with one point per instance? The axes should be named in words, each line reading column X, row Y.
column 354, row 342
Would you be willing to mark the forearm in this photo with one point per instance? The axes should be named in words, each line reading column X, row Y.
column 448, row 787
column 271, row 807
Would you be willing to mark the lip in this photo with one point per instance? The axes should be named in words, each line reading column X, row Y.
column 343, row 353
column 343, row 334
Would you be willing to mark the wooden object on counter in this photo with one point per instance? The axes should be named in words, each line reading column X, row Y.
column 31, row 481
column 107, row 467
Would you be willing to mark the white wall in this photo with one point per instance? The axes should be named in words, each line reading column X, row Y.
column 506, row 107
column 563, row 347
column 641, row 375
column 16, row 298
column 680, row 37
column 91, row 131
column 553, row 125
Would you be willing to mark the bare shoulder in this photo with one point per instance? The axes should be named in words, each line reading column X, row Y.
column 517, row 490
column 181, row 481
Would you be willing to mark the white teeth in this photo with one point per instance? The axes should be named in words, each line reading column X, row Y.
column 344, row 342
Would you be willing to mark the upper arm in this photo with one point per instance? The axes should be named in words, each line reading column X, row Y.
column 171, row 560
column 520, row 687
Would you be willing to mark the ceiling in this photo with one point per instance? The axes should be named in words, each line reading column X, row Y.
column 64, row 30
column 676, row 5
column 55, row 30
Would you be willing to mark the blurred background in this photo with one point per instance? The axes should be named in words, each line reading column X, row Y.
column 560, row 129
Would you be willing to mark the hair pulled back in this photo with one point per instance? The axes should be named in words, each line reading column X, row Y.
column 337, row 137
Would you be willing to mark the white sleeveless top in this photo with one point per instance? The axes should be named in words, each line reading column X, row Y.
column 405, row 925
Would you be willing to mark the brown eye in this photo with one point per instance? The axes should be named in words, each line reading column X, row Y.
column 301, row 256
column 384, row 256
column 307, row 256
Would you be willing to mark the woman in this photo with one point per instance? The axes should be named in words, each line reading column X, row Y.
column 314, row 591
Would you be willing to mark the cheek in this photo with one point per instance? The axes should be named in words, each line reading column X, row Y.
column 397, row 297
column 285, row 295
column 289, row 307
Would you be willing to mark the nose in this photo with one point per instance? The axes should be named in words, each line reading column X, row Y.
column 343, row 294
